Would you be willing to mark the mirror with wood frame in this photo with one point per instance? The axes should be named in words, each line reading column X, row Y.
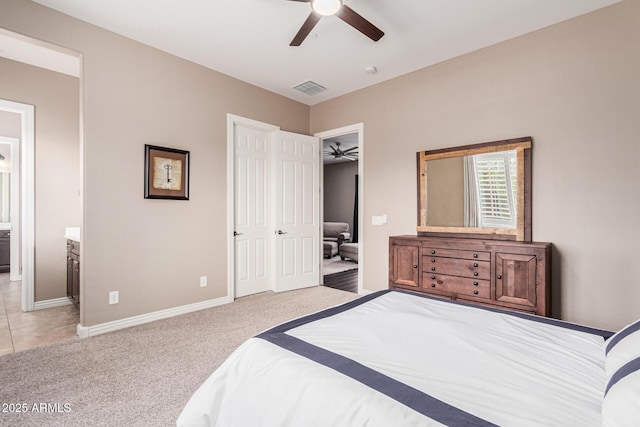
column 481, row 190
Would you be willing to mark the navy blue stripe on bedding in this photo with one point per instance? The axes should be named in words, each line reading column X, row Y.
column 627, row 369
column 415, row 399
column 344, row 307
column 532, row 317
column 623, row 333
column 325, row 313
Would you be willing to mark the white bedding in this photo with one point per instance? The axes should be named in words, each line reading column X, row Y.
column 408, row 360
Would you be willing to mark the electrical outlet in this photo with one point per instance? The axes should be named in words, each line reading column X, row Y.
column 114, row 297
column 203, row 281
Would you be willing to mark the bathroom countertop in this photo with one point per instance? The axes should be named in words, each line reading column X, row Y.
column 72, row 233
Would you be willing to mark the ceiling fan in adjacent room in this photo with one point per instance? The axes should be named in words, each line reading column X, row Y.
column 320, row 8
column 338, row 153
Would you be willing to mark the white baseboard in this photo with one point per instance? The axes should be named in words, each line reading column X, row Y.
column 50, row 303
column 102, row 328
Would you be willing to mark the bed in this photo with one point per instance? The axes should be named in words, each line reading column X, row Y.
column 395, row 358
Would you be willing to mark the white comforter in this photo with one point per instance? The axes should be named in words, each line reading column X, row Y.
column 484, row 367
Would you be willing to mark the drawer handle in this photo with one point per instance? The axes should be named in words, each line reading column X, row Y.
column 475, row 264
column 475, row 255
column 433, row 277
column 433, row 260
column 433, row 269
column 475, row 273
column 433, row 252
column 499, row 276
column 415, row 266
column 475, row 283
column 475, row 292
column 433, row 285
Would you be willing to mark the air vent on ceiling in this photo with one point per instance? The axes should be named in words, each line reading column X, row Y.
column 310, row 88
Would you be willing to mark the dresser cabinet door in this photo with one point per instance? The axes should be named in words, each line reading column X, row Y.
column 404, row 264
column 516, row 279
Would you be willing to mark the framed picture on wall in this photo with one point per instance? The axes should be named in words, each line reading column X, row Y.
column 166, row 173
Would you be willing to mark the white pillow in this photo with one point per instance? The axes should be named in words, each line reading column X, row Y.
column 621, row 348
column 621, row 404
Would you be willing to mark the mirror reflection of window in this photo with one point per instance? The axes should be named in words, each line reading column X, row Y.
column 490, row 190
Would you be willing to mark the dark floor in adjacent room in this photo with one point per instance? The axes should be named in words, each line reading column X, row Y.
column 344, row 280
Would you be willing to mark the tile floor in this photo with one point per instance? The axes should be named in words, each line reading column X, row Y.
column 20, row 331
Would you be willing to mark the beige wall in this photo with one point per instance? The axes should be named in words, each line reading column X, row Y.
column 10, row 124
column 56, row 98
column 574, row 88
column 339, row 192
column 152, row 251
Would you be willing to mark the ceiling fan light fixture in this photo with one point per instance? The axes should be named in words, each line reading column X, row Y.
column 326, row 7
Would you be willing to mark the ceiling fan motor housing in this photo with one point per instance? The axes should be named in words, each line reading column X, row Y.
column 320, row 8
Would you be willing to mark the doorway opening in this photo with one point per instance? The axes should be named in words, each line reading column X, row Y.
column 10, row 205
column 46, row 78
column 21, row 224
column 341, row 207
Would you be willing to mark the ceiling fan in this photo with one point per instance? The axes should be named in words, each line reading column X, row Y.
column 338, row 153
column 320, row 8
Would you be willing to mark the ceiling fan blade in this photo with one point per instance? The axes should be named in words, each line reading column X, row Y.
column 306, row 28
column 335, row 151
column 350, row 149
column 354, row 19
column 350, row 158
column 302, row 1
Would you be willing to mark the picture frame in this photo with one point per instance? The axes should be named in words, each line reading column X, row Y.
column 166, row 173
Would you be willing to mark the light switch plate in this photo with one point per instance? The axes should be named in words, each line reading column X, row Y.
column 379, row 219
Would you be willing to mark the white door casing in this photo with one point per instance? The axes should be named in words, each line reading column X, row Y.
column 252, row 210
column 27, row 198
column 296, row 194
column 15, row 272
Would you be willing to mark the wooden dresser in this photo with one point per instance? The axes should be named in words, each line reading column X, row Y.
column 504, row 274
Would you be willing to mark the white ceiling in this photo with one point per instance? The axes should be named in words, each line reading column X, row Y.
column 249, row 39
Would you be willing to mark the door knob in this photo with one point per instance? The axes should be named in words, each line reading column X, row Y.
column 281, row 232
column 235, row 233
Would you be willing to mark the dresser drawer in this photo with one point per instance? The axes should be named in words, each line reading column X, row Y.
column 429, row 250
column 456, row 267
column 457, row 285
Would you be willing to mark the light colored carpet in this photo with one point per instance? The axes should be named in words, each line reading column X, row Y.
column 144, row 375
column 336, row 265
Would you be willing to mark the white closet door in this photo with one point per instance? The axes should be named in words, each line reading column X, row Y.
column 253, row 230
column 296, row 211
